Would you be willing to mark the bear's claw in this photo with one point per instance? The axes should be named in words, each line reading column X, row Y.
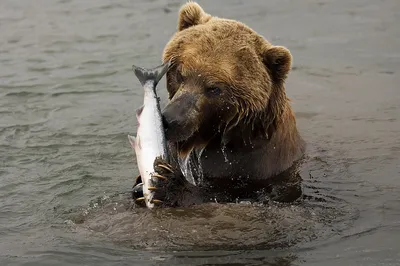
column 156, row 201
column 163, row 181
column 159, row 176
column 167, row 167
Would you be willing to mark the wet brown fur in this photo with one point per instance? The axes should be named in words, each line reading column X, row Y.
column 256, row 122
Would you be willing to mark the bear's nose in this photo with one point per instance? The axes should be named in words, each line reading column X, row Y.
column 178, row 117
column 173, row 117
column 174, row 124
column 176, row 113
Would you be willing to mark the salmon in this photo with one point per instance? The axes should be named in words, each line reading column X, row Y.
column 149, row 143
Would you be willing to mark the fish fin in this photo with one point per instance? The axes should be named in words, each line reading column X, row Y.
column 139, row 111
column 132, row 140
column 151, row 74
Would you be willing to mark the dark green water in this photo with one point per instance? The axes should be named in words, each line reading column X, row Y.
column 67, row 103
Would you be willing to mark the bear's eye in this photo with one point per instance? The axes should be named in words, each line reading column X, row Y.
column 215, row 91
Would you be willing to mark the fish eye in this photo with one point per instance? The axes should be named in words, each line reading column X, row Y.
column 215, row 91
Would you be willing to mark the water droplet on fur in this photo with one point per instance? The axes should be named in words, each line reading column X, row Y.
column 223, row 149
column 199, row 167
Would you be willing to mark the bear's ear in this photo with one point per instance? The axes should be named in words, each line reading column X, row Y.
column 278, row 61
column 191, row 14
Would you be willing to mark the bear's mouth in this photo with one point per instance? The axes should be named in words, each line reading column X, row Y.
column 184, row 147
column 177, row 136
column 194, row 142
column 178, row 128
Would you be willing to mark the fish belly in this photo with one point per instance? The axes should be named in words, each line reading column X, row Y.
column 148, row 148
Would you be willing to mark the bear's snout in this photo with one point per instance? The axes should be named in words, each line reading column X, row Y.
column 180, row 118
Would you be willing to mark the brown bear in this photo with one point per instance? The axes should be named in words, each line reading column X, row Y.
column 229, row 125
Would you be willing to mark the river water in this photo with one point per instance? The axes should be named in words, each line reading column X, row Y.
column 67, row 103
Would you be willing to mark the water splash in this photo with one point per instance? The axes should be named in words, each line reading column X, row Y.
column 191, row 166
column 184, row 164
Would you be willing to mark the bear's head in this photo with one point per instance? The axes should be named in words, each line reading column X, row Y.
column 225, row 81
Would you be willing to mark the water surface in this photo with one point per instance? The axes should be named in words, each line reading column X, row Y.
column 67, row 102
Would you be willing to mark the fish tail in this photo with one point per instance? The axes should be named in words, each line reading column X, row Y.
column 152, row 74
